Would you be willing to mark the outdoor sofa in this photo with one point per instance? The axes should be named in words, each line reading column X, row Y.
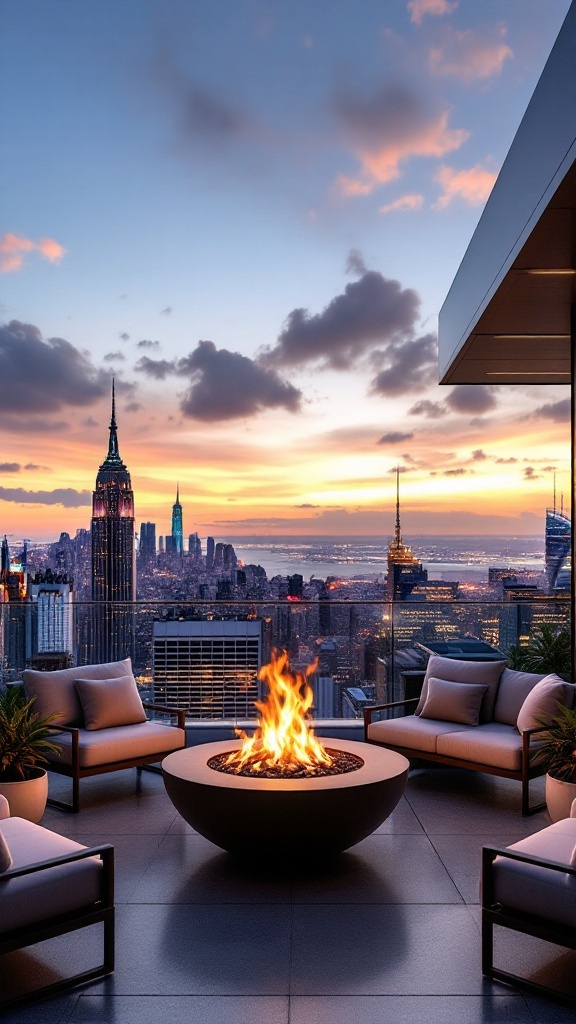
column 482, row 716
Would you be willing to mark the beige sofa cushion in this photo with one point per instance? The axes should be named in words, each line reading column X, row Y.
column 123, row 743
column 484, row 673
column 413, row 731
column 493, row 744
column 55, row 692
column 543, row 701
column 512, row 692
column 110, row 702
column 45, row 894
column 4, row 807
column 453, row 702
column 534, row 889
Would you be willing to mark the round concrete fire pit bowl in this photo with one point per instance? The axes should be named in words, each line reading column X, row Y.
column 306, row 818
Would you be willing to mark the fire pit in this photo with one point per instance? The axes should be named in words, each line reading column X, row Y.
column 280, row 793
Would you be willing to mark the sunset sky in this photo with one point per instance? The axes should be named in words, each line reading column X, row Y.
column 250, row 213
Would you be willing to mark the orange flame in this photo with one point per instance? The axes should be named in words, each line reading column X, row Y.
column 283, row 739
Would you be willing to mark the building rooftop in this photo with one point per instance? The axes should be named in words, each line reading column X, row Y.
column 390, row 932
column 468, row 647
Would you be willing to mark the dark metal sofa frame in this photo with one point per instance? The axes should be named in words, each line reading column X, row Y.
column 93, row 913
column 75, row 771
column 497, row 914
column 528, row 770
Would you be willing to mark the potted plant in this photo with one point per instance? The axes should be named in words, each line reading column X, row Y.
column 558, row 753
column 23, row 744
column 546, row 651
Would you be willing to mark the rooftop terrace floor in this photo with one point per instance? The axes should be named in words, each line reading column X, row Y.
column 389, row 932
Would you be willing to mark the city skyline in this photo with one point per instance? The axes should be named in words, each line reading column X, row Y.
column 251, row 216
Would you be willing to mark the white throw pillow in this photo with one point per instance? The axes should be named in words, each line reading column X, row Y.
column 5, row 855
column 107, row 703
column 543, row 702
column 453, row 702
column 481, row 673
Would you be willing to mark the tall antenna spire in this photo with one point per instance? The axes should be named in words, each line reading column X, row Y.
column 398, row 535
column 113, row 452
column 554, row 491
column 177, row 492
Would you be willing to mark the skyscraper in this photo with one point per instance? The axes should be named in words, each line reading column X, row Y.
column 177, row 530
column 209, row 553
column 147, row 549
column 558, row 541
column 51, row 620
column 113, row 564
column 404, row 569
column 209, row 668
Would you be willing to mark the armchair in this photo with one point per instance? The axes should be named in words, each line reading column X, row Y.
column 53, row 886
column 101, row 724
column 530, row 887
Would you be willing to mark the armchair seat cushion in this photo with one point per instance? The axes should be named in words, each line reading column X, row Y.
column 535, row 889
column 493, row 744
column 413, row 731
column 121, row 743
column 44, row 894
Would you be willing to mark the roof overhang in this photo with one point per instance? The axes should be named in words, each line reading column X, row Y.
column 507, row 317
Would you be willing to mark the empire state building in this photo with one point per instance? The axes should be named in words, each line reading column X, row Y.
column 113, row 561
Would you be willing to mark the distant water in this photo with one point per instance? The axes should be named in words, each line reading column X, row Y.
column 456, row 558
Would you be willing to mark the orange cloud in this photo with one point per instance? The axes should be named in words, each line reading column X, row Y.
column 14, row 247
column 473, row 186
column 347, row 186
column 470, row 55
column 413, row 201
column 382, row 164
column 419, row 8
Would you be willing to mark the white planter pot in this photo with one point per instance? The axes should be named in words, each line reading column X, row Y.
column 27, row 799
column 559, row 797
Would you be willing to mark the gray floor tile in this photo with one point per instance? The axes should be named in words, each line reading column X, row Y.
column 457, row 802
column 181, row 827
column 394, row 950
column 27, row 970
column 401, row 820
column 462, row 857
column 48, row 1011
column 116, row 804
column 181, row 1010
column 546, row 1012
column 536, row 960
column 369, row 873
column 189, row 869
column 410, row 1010
column 201, row 950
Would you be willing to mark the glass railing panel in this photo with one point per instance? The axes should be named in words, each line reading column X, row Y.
column 204, row 656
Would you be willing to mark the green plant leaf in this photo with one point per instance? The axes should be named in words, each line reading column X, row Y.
column 23, row 736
